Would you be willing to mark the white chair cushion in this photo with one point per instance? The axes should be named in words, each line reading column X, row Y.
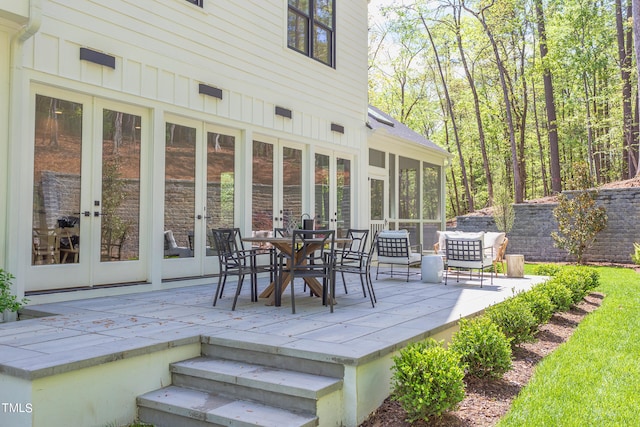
column 168, row 235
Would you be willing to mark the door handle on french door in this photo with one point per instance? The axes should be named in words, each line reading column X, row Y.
column 85, row 213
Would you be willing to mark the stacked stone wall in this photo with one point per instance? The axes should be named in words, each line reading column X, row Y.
column 531, row 232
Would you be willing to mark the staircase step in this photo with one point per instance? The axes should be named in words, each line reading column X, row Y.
column 273, row 386
column 269, row 355
column 174, row 406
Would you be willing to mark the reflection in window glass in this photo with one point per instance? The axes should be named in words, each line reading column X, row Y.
column 324, row 12
column 376, row 158
column 409, row 188
column 179, row 190
column 292, row 187
column 343, row 195
column 220, row 184
column 377, row 199
column 56, row 181
column 393, row 202
column 431, row 185
column 310, row 28
column 322, row 45
column 220, row 180
column 120, row 207
column 298, row 32
column 262, row 187
column 322, row 209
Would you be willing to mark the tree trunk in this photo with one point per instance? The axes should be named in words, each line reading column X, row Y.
column 463, row 170
column 624, row 54
column 636, row 31
column 517, row 181
column 552, row 127
column 476, row 106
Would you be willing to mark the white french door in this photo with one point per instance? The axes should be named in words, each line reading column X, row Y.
column 333, row 191
column 277, row 177
column 378, row 203
column 200, row 164
column 88, row 180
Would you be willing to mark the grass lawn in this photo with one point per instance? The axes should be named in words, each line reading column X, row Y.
column 594, row 378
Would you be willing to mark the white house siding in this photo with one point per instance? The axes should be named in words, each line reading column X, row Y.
column 165, row 48
column 4, row 136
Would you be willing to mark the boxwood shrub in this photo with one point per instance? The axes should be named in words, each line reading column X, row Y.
column 561, row 297
column 483, row 348
column 514, row 318
column 539, row 303
column 579, row 280
column 546, row 269
column 427, row 380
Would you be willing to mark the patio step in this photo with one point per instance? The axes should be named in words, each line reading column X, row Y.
column 219, row 391
column 183, row 407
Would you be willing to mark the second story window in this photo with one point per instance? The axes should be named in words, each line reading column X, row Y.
column 311, row 29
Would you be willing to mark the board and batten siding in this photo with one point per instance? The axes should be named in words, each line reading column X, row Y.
column 165, row 48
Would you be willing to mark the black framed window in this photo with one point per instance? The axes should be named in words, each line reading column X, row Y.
column 196, row 2
column 311, row 29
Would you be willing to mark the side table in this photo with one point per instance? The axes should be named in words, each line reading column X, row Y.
column 432, row 268
column 515, row 265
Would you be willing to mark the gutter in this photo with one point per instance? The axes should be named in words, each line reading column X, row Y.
column 17, row 98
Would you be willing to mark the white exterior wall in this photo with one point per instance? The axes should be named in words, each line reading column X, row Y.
column 4, row 138
column 165, row 48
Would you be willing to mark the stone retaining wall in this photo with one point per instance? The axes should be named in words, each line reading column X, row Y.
column 531, row 233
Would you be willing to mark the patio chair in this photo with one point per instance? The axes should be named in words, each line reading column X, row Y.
column 394, row 249
column 312, row 257
column 46, row 246
column 360, row 264
column 233, row 262
column 171, row 248
column 351, row 254
column 468, row 254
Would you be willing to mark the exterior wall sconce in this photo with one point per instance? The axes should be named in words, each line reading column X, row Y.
column 284, row 112
column 337, row 128
column 97, row 57
column 210, row 90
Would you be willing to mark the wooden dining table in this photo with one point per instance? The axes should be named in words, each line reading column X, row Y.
column 284, row 244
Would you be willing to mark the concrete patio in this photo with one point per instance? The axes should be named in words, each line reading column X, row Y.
column 84, row 362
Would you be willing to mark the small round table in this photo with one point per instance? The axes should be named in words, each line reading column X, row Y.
column 432, row 268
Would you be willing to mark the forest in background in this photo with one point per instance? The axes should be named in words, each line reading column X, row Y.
column 518, row 91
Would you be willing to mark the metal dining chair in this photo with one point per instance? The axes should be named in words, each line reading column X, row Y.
column 233, row 261
column 312, row 256
column 360, row 264
column 352, row 253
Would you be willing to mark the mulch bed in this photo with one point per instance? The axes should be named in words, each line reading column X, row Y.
column 486, row 401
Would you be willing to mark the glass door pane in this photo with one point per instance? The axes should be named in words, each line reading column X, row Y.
column 56, row 183
column 262, row 196
column 291, row 187
column 180, row 191
column 378, row 205
column 343, row 194
column 220, row 184
column 120, row 202
column 321, row 189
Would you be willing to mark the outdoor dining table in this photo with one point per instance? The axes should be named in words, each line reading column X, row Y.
column 283, row 244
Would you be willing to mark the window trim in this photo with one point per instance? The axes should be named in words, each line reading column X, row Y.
column 312, row 25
